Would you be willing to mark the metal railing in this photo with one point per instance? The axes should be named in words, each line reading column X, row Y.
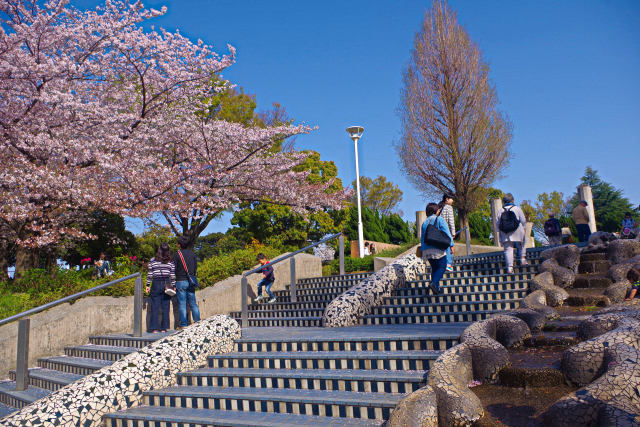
column 244, row 320
column 22, row 365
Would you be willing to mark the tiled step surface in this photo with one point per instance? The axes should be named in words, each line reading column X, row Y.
column 347, row 404
column 160, row 416
column 48, row 379
column 454, row 317
column 377, row 381
column 19, row 399
column 396, row 360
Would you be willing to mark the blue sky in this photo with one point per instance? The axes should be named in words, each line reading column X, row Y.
column 567, row 74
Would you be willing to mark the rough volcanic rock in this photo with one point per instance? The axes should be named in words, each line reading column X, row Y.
column 537, row 301
column 623, row 250
column 544, row 281
column 567, row 256
column 562, row 276
column 532, row 318
column 418, row 409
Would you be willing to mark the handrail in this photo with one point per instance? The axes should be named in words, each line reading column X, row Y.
column 245, row 284
column 65, row 299
column 22, row 362
column 285, row 257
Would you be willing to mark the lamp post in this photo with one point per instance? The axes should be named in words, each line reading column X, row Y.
column 355, row 132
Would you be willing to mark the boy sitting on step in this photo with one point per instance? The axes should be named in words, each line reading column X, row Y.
column 634, row 277
column 267, row 279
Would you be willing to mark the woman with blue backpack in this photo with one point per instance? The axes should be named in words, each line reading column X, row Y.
column 512, row 224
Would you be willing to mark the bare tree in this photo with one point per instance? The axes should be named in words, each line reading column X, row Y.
column 454, row 139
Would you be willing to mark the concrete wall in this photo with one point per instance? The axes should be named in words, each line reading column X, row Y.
column 72, row 324
column 378, row 245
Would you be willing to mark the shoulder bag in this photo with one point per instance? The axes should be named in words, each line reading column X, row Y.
column 193, row 280
column 435, row 237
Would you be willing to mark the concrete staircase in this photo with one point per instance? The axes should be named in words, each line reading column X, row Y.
column 288, row 375
column 286, row 370
column 56, row 372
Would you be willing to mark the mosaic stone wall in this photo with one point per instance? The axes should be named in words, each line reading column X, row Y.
column 447, row 399
column 121, row 385
column 360, row 299
column 608, row 366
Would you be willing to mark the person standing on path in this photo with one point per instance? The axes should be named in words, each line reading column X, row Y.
column 553, row 230
column 450, row 218
column 435, row 256
column 186, row 269
column 162, row 271
column 580, row 216
column 267, row 279
column 512, row 224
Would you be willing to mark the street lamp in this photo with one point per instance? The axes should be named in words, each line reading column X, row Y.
column 355, row 132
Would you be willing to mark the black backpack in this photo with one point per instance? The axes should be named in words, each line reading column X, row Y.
column 508, row 221
column 550, row 228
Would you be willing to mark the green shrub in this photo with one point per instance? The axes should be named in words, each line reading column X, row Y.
column 215, row 269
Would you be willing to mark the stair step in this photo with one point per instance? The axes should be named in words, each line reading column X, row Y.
column 19, row 399
column 282, row 321
column 73, row 365
column 387, row 360
column 447, row 307
column 427, row 318
column 6, row 410
column 349, row 404
column 426, row 296
column 127, row 340
column 376, row 381
column 48, row 379
column 463, row 289
column 102, row 352
column 354, row 338
column 157, row 416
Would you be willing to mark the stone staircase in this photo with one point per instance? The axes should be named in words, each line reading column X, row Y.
column 286, row 370
column 55, row 372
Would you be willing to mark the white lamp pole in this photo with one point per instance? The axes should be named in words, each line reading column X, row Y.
column 355, row 132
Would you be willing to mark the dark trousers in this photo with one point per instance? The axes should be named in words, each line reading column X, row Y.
column 438, row 267
column 583, row 232
column 159, row 301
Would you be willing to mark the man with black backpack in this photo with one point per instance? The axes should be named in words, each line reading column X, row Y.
column 553, row 230
column 511, row 224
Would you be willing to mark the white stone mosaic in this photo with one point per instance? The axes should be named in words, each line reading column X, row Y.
column 360, row 299
column 121, row 385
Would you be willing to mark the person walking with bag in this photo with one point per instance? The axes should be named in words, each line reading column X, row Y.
column 436, row 239
column 512, row 224
column 161, row 284
column 449, row 217
column 186, row 281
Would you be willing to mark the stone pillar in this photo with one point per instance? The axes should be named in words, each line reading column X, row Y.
column 496, row 207
column 584, row 193
column 528, row 238
column 421, row 217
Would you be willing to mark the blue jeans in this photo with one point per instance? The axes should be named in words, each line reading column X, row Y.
column 186, row 295
column 449, row 257
column 159, row 301
column 267, row 285
column 438, row 267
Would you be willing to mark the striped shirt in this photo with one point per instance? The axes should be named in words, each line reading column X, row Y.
column 160, row 270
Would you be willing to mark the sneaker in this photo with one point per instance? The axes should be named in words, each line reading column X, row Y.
column 272, row 300
column 509, row 270
column 524, row 262
column 434, row 289
column 449, row 267
column 259, row 298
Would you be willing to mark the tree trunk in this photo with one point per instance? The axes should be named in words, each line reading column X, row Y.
column 464, row 222
column 26, row 259
column 4, row 261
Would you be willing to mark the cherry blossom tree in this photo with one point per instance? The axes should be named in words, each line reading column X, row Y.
column 96, row 112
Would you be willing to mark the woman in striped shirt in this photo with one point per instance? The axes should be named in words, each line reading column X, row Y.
column 161, row 271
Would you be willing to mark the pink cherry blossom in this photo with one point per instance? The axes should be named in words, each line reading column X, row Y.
column 97, row 113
